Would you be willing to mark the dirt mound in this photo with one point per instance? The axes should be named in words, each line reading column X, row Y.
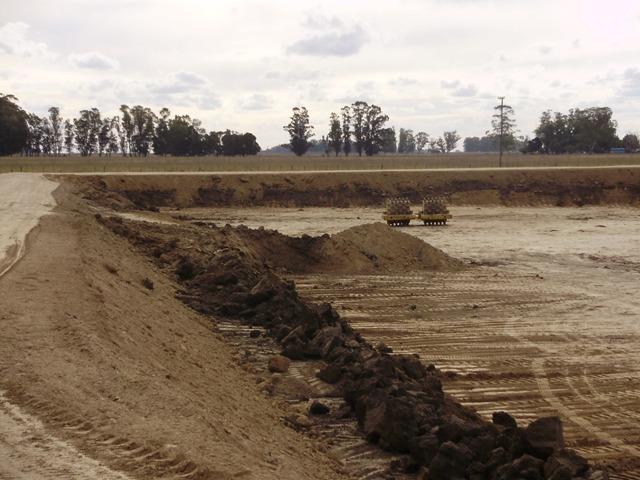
column 364, row 249
column 379, row 248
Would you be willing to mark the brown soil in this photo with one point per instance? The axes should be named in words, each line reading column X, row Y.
column 378, row 248
column 559, row 186
column 95, row 344
column 133, row 378
column 398, row 401
column 363, row 249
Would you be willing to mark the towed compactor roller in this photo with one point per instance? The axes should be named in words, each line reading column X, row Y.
column 398, row 212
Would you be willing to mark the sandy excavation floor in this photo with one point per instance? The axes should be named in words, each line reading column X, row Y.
column 546, row 322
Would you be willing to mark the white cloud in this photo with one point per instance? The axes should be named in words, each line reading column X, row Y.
column 93, row 61
column 14, row 40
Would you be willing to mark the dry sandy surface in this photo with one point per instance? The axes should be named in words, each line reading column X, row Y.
column 25, row 198
column 103, row 377
column 547, row 322
column 27, row 449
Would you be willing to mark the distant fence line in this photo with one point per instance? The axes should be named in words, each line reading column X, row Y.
column 266, row 163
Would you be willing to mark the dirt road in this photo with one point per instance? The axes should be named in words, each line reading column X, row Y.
column 546, row 323
column 25, row 198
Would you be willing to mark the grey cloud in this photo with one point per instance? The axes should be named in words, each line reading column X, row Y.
column 181, row 89
column 294, row 75
column 630, row 83
column 93, row 61
column 207, row 101
column 332, row 44
column 544, row 49
column 468, row 91
column 180, row 82
column 402, row 82
column 190, row 78
column 316, row 93
column 14, row 41
column 606, row 79
column 256, row 101
column 320, row 22
column 457, row 89
column 450, row 85
column 367, row 91
column 99, row 86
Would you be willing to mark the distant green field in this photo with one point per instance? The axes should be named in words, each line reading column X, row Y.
column 290, row 163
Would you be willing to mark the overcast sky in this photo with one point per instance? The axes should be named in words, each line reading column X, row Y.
column 432, row 65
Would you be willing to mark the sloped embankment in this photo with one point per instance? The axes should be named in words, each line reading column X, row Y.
column 95, row 344
column 512, row 187
column 398, row 401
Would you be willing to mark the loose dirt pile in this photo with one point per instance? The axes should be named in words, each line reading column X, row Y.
column 364, row 249
column 356, row 249
column 398, row 401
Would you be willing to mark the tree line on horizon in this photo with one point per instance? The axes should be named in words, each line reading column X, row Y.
column 137, row 131
column 589, row 130
column 359, row 128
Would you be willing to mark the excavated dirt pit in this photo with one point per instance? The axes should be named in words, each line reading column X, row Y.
column 536, row 321
column 545, row 323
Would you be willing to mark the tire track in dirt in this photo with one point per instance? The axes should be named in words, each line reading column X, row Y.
column 27, row 449
column 487, row 329
column 360, row 459
column 121, row 454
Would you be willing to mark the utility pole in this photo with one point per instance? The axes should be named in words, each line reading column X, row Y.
column 501, row 128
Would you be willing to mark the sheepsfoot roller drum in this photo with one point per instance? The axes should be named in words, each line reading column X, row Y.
column 434, row 211
column 398, row 212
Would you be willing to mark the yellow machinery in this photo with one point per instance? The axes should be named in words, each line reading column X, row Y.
column 434, row 211
column 398, row 212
